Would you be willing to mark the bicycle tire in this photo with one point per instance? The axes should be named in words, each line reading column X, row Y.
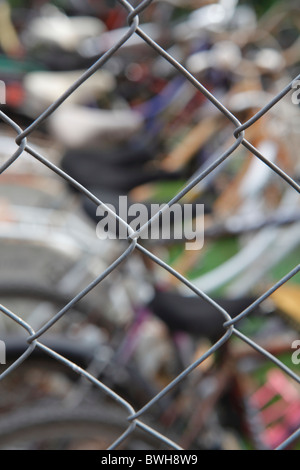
column 93, row 427
column 41, row 293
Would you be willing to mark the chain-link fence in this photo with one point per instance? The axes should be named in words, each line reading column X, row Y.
column 231, row 325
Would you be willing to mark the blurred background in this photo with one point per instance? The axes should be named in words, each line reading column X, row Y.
column 138, row 127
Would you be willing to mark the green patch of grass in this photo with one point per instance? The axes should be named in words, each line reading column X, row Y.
column 214, row 255
column 165, row 191
column 285, row 266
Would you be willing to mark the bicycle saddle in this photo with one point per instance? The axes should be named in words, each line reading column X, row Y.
column 125, row 155
column 195, row 316
column 16, row 345
column 120, row 170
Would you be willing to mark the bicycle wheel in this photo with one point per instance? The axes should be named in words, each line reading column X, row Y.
column 52, row 427
column 35, row 380
column 76, row 336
